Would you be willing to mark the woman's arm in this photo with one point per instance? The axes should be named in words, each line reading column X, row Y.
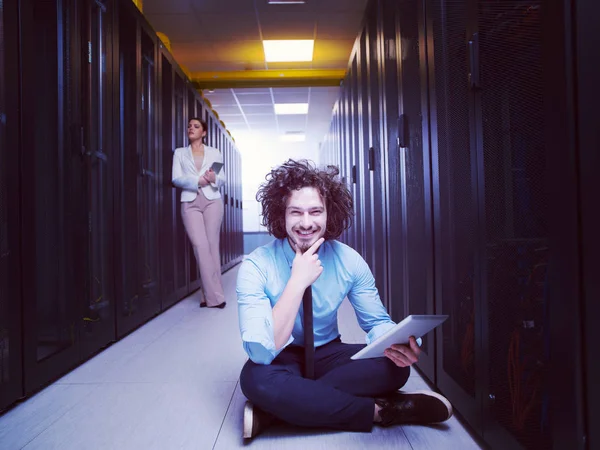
column 179, row 178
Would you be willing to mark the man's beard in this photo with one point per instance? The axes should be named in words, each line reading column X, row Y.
column 303, row 247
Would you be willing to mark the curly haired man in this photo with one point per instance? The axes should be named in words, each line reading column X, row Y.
column 306, row 209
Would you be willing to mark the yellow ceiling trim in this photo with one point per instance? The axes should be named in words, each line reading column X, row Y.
column 139, row 4
column 268, row 78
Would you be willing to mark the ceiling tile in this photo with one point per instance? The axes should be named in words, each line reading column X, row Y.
column 239, row 51
column 226, row 109
column 339, row 26
column 255, row 99
column 177, row 27
column 260, row 118
column 226, row 27
column 258, row 109
column 186, row 53
column 244, row 91
column 287, row 25
column 220, row 97
column 292, row 90
column 220, row 6
column 291, row 97
column 296, row 122
column 332, row 50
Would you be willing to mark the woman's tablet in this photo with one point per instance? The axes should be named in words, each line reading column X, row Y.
column 415, row 325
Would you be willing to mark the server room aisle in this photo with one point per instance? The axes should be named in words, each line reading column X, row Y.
column 173, row 384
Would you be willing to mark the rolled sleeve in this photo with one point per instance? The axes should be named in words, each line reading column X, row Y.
column 364, row 297
column 256, row 315
column 178, row 177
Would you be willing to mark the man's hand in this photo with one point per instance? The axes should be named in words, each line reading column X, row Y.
column 306, row 267
column 210, row 176
column 404, row 355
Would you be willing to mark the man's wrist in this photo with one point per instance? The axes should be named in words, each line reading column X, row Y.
column 296, row 286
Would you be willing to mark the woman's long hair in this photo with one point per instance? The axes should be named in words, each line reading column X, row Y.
column 294, row 175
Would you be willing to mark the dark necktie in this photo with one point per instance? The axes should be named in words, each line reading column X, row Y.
column 309, row 337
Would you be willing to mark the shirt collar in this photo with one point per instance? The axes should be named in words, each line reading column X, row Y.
column 288, row 251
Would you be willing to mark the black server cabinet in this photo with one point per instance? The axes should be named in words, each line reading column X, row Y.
column 194, row 282
column 181, row 239
column 223, row 247
column 171, row 292
column 374, row 168
column 515, row 210
column 97, row 327
column 570, row 98
column 409, row 189
column 588, row 99
column 54, row 190
column 137, row 197
column 456, row 231
column 11, row 386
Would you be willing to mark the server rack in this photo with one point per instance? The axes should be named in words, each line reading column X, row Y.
column 489, row 166
column 11, row 371
column 92, row 244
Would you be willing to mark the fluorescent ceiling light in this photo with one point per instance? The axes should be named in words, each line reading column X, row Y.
column 293, row 137
column 289, row 51
column 286, row 2
column 291, row 108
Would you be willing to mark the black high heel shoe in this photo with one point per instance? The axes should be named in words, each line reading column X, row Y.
column 220, row 306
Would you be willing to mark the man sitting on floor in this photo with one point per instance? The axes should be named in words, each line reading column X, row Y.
column 306, row 209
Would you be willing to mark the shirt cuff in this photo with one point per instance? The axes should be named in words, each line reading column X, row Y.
column 262, row 351
column 379, row 330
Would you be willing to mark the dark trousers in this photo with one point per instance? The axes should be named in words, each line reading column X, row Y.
column 341, row 396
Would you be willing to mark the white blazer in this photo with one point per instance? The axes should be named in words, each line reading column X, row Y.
column 185, row 175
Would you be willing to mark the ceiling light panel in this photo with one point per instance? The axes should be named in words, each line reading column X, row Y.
column 289, row 50
column 291, row 108
column 293, row 137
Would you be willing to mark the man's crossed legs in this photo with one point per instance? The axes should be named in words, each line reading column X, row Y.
column 346, row 394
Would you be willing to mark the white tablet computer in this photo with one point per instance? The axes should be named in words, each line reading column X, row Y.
column 414, row 325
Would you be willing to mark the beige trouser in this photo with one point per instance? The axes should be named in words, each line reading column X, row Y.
column 202, row 220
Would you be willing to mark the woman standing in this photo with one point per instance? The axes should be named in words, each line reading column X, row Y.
column 202, row 207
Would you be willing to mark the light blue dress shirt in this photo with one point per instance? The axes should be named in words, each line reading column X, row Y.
column 263, row 276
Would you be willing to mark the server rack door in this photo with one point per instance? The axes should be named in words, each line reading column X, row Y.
column 138, row 202
column 362, row 129
column 228, row 219
column 230, row 185
column 171, row 292
column 415, row 169
column 98, row 327
column 515, row 200
column 11, row 386
column 181, row 247
column 54, row 219
column 354, row 131
column 149, row 183
column 226, row 197
column 375, row 164
column 346, row 159
column 396, row 235
column 455, row 213
column 588, row 75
